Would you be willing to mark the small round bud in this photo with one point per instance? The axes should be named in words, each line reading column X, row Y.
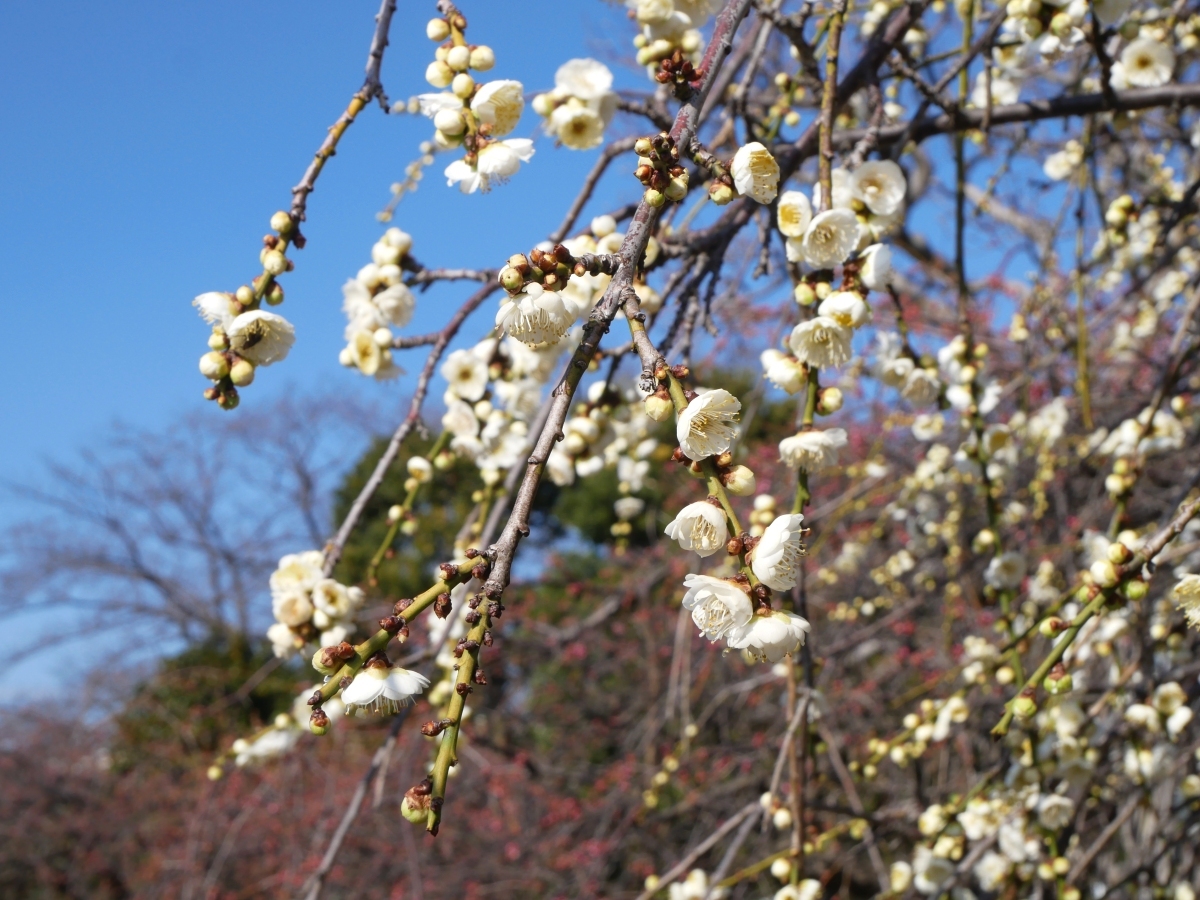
column 450, row 121
column 244, row 294
column 1119, row 554
column 463, row 85
column 458, row 58
column 968, row 374
column 214, row 365
column 659, row 406
column 408, row 527
column 1135, row 590
column 346, row 357
column 1005, row 675
column 643, row 147
column 437, row 30
column 1104, row 573
column 782, row 818
column 218, row 341
column 603, row 226
column 740, row 481
column 242, row 373
column 511, row 280
column 482, row 58
column 1061, row 683
column 438, row 74
column 804, row 294
column 677, row 187
column 395, row 514
column 274, row 262
column 829, row 401
column 651, row 883
column 781, row 869
column 1051, row 627
column 412, row 813
column 274, row 294
column 1024, row 706
column 654, row 198
column 382, row 337
column 1061, row 865
column 281, row 222
column 543, row 105
column 721, row 193
column 215, row 773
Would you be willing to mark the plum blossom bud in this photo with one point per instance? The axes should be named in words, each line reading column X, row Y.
column 218, row 341
column 829, row 401
column 782, row 818
column 1118, row 553
column 721, row 193
column 274, row 262
column 463, row 85
column 449, row 121
column 420, row 468
column 511, row 280
column 458, row 58
column 1104, row 573
column 740, row 481
column 482, row 58
column 438, row 74
column 281, row 222
column 1024, row 706
column 1051, row 626
column 781, row 869
column 437, row 30
column 242, row 373
column 214, row 365
column 659, row 406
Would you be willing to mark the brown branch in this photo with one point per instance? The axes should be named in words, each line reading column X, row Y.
column 371, row 89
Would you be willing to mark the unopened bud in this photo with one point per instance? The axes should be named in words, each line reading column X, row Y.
column 677, row 187
column 643, row 147
column 458, row 58
column 214, row 365
column 511, row 280
column 218, row 341
column 1024, row 706
column 242, row 373
column 659, row 406
column 1135, row 590
column 281, row 222
column 654, row 198
column 1104, row 573
column 721, row 193
column 215, row 773
column 739, row 480
column 244, row 294
column 318, row 722
column 438, row 74
column 804, row 294
column 829, row 401
column 417, row 814
column 274, row 295
column 274, row 262
column 463, row 85
column 1051, row 627
column 482, row 58
column 1119, row 554
column 437, row 30
column 1059, row 680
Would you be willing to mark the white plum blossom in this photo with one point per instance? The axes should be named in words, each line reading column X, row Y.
column 261, row 337
column 215, row 308
column 793, row 213
column 699, row 527
column 497, row 162
column 921, row 387
column 822, row 342
column 830, row 238
column 769, row 638
column 1006, row 571
column 499, row 104
column 876, row 268
column 880, row 185
column 382, row 688
column 708, row 424
column 1186, row 594
column 779, row 552
column 992, row 870
column 812, row 451
column 783, row 371
column 535, row 316
column 292, row 607
column 579, row 127
column 466, row 374
column 755, row 172
column 847, row 308
column 1146, row 63
column 716, row 605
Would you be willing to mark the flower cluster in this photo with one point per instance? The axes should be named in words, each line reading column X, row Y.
column 669, row 28
column 581, row 105
column 245, row 336
column 375, row 301
column 472, row 116
column 309, row 608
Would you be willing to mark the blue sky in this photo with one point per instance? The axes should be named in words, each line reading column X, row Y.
column 147, row 145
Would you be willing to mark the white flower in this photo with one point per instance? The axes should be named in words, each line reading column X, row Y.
column 876, row 269
column 292, row 607
column 770, row 638
column 1060, row 165
column 586, row 79
column 812, row 451
column 1048, row 424
column 699, row 527
column 716, row 605
column 778, row 553
column 1187, row 596
column 921, row 387
column 261, row 337
column 284, row 641
column 755, row 172
column 627, row 508
column 708, row 425
column 830, row 239
column 880, row 184
column 215, row 308
column 695, row 886
column 847, row 308
column 1005, row 91
column 1005, row 572
column 578, row 126
column 992, row 870
column 821, row 341
column 298, row 571
column 333, row 599
column 459, row 419
column 497, row 162
column 535, row 316
column 382, row 688
column 782, row 371
column 466, row 374
column 1147, row 63
column 929, row 871
column 499, row 104
column 364, row 352
column 793, row 214
column 900, row 877
column 1054, row 811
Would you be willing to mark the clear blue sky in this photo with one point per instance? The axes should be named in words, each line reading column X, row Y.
column 146, row 146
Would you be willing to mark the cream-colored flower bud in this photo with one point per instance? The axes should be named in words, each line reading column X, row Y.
column 782, row 869
column 659, row 406
column 458, row 58
column 382, row 337
column 394, row 514
column 346, row 357
column 274, row 262
column 829, row 401
column 511, row 280
column 720, row 193
column 782, row 818
column 450, row 121
column 677, row 187
column 437, row 30
column 462, row 85
column 438, row 74
column 804, row 294
column 447, row 141
column 740, row 481
column 1104, row 573
column 244, row 294
column 281, row 222
column 217, row 340
column 543, row 105
column 654, row 198
column 603, row 226
column 242, row 373
column 214, row 365
column 482, row 58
